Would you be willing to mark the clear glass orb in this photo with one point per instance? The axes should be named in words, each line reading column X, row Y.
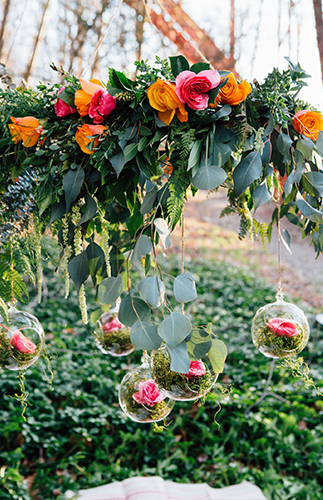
column 178, row 386
column 280, row 329
column 111, row 336
column 21, row 340
column 140, row 398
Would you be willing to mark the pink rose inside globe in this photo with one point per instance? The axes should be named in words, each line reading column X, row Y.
column 148, row 393
column 113, row 326
column 197, row 369
column 21, row 343
column 283, row 327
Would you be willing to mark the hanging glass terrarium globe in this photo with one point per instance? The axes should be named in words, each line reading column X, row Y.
column 21, row 340
column 111, row 336
column 182, row 386
column 280, row 329
column 140, row 398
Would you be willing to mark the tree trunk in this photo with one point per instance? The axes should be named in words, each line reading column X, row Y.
column 38, row 37
column 319, row 29
column 4, row 22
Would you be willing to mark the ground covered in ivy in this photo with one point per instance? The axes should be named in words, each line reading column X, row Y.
column 76, row 436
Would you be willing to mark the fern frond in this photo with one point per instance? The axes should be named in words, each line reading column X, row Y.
column 177, row 186
column 228, row 211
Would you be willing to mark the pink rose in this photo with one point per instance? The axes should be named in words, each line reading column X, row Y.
column 21, row 343
column 148, row 394
column 197, row 369
column 61, row 108
column 102, row 104
column 192, row 88
column 281, row 326
column 113, row 326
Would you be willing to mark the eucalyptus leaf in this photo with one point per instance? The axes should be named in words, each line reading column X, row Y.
column 307, row 210
column 199, row 344
column 152, row 290
column 78, row 269
column 143, row 246
column 285, row 238
column 313, row 183
column 149, row 201
column 247, row 171
column 133, row 309
column 261, row 195
column 221, row 153
column 96, row 259
column 110, row 289
column 118, row 161
column 195, row 154
column 72, row 184
column 217, row 355
column 130, row 151
column 143, row 335
column 174, row 329
column 208, row 176
column 163, row 231
column 90, row 210
column 184, row 288
column 179, row 358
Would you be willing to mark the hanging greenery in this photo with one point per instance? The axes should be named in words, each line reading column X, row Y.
column 106, row 168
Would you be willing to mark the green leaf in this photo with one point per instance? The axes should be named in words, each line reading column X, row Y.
column 261, row 195
column 118, row 161
column 217, row 355
column 208, row 176
column 58, row 210
column 179, row 359
column 199, row 344
column 72, row 184
column 247, row 171
column 163, row 231
column 213, row 94
column 95, row 315
column 296, row 175
column 131, row 308
column 200, row 66
column 144, row 336
column 195, row 153
column 284, row 143
column 178, row 64
column 313, row 183
column 96, row 259
column 184, row 288
column 79, row 270
column 142, row 247
column 319, row 143
column 149, row 201
column 152, row 290
column 307, row 210
column 221, row 153
column 67, row 97
column 130, row 151
column 90, row 210
column 285, row 237
column 224, row 111
column 174, row 329
column 4, row 310
column 110, row 289
column 305, row 146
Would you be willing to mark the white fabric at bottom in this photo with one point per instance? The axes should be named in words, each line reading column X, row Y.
column 155, row 488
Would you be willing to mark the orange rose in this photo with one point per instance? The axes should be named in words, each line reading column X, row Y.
column 308, row 123
column 232, row 93
column 84, row 137
column 162, row 96
column 26, row 129
column 83, row 96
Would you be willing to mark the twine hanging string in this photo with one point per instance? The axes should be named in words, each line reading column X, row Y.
column 183, row 245
column 101, row 39
column 280, row 289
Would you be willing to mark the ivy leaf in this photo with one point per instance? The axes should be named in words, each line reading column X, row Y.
column 178, row 64
column 110, row 289
column 144, row 336
column 217, row 355
column 247, row 171
column 163, row 231
column 143, row 246
column 152, row 290
column 174, row 329
column 184, row 288
column 79, row 270
column 131, row 308
column 72, row 184
column 179, row 359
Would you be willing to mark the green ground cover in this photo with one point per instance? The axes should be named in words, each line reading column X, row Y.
column 76, row 435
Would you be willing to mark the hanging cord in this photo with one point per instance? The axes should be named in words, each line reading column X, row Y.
column 102, row 38
column 280, row 293
column 183, row 246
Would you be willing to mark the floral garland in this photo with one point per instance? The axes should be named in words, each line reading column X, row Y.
column 122, row 157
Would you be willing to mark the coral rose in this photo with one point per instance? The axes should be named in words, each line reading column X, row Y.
column 148, row 393
column 283, row 327
column 102, row 104
column 84, row 137
column 308, row 123
column 192, row 88
column 61, row 108
column 21, row 343
column 84, row 95
column 197, row 369
column 113, row 326
column 26, row 129
column 162, row 96
column 232, row 93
